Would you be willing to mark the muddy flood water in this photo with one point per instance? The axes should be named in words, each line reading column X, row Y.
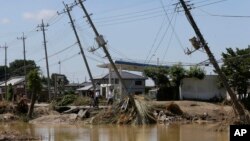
column 176, row 132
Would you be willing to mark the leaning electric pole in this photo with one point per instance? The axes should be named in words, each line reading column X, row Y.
column 102, row 43
column 5, row 70
column 68, row 9
column 238, row 106
column 42, row 28
column 23, row 38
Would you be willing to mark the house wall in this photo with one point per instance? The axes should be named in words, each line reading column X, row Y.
column 130, row 85
column 133, row 88
column 205, row 89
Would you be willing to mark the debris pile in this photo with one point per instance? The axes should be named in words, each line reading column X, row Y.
column 128, row 111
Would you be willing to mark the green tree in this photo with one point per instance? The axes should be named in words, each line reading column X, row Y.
column 35, row 87
column 168, row 80
column 236, row 66
column 159, row 75
column 10, row 92
column 177, row 73
column 196, row 72
column 16, row 68
column 2, row 73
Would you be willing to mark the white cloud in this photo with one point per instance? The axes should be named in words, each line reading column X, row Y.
column 38, row 16
column 5, row 21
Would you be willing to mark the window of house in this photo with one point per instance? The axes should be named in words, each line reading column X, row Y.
column 138, row 83
column 116, row 81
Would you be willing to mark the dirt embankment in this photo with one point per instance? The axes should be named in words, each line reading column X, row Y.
column 191, row 111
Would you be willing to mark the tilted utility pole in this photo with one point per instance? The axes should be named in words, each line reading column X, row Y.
column 102, row 43
column 23, row 38
column 239, row 107
column 5, row 71
column 68, row 9
column 42, row 28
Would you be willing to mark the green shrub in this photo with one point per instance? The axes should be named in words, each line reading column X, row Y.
column 67, row 99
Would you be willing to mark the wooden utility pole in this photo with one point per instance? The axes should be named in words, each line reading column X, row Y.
column 68, row 9
column 23, row 38
column 102, row 43
column 42, row 28
column 238, row 106
column 5, row 71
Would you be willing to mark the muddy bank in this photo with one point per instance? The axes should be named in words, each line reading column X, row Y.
column 163, row 112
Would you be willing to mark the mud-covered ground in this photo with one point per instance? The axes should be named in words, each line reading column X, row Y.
column 164, row 112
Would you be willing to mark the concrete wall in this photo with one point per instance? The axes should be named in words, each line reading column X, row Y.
column 205, row 89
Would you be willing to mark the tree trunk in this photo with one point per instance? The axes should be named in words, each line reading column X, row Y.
column 31, row 108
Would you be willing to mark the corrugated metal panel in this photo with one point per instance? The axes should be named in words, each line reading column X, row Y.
column 14, row 81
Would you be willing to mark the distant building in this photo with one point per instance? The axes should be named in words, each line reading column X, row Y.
column 86, row 89
column 205, row 89
column 17, row 84
column 135, row 84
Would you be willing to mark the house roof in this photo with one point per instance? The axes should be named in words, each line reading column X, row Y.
column 14, row 80
column 74, row 85
column 124, row 75
column 88, row 87
column 86, row 83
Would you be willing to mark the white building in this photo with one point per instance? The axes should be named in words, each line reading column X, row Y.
column 205, row 89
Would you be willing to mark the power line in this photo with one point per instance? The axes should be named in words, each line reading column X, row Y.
column 169, row 43
column 212, row 3
column 223, row 15
column 130, row 20
column 127, row 7
column 155, row 39
column 56, row 53
column 176, row 35
column 66, row 59
column 163, row 36
column 133, row 14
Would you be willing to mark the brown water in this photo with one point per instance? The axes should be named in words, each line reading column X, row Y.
column 187, row 132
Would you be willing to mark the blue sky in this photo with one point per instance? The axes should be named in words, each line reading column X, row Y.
column 131, row 27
